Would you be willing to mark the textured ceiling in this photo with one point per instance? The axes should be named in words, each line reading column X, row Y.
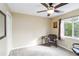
column 32, row 8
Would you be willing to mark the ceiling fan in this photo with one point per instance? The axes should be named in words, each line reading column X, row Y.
column 51, row 8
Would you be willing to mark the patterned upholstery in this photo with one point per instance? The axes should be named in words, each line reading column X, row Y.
column 75, row 48
column 52, row 39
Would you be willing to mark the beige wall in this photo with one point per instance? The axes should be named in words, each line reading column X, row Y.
column 66, row 43
column 27, row 29
column 3, row 43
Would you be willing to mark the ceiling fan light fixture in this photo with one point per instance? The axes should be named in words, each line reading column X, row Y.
column 50, row 11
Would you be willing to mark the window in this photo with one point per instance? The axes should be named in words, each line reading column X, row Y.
column 67, row 29
column 70, row 27
column 76, row 29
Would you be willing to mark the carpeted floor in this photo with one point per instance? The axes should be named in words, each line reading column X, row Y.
column 41, row 51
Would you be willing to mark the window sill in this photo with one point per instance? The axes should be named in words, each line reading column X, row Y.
column 67, row 37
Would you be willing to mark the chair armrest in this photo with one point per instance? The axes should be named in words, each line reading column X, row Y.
column 75, row 44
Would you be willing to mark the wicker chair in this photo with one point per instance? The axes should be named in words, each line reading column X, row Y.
column 52, row 39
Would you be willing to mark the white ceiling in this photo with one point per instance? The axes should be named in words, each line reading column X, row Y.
column 32, row 8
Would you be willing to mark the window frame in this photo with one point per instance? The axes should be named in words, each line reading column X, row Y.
column 62, row 27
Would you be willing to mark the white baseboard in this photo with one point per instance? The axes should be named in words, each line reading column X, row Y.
column 65, row 48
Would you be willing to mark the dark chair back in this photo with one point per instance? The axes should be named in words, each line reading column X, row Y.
column 52, row 37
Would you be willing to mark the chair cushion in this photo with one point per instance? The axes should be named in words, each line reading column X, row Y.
column 76, row 50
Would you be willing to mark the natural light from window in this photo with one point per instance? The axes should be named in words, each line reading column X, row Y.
column 70, row 28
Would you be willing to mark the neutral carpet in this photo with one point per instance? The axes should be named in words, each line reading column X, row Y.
column 41, row 51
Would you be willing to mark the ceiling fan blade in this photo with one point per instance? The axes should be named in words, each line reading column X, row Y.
column 58, row 11
column 41, row 11
column 59, row 5
column 45, row 5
